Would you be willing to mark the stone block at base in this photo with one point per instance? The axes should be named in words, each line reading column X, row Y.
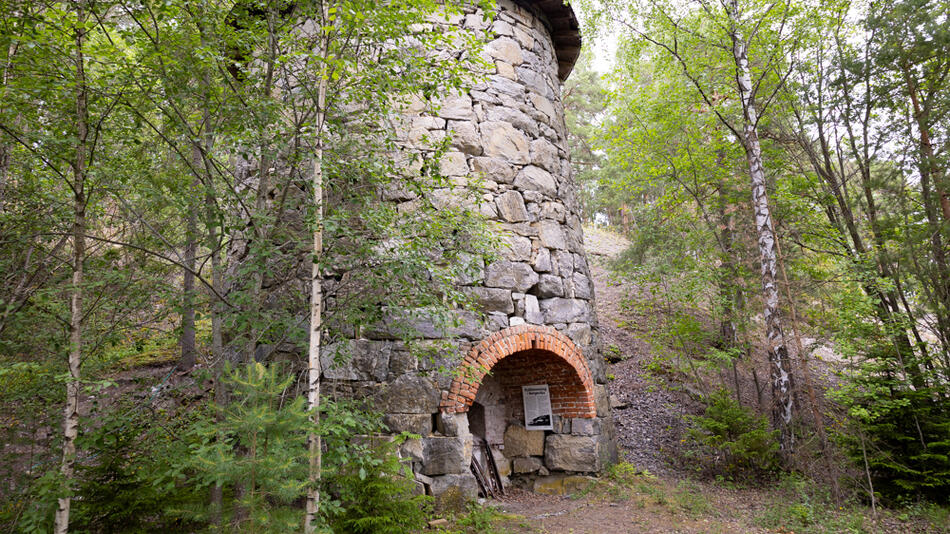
column 560, row 484
column 526, row 465
column 416, row 423
column 522, row 442
column 445, row 456
column 453, row 492
column 574, row 453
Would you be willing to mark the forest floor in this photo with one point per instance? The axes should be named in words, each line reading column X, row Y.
column 654, row 490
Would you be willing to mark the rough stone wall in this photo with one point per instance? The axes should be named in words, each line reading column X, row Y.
column 509, row 130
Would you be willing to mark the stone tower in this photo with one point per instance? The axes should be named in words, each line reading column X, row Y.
column 539, row 298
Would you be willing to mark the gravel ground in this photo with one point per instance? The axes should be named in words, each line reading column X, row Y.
column 648, row 418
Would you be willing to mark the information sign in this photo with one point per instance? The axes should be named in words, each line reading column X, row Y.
column 537, row 407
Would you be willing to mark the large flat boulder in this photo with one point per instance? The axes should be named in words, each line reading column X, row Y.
column 561, row 310
column 511, row 275
column 410, row 394
column 416, row 423
column 446, row 455
column 358, row 359
column 526, row 465
column 574, row 453
column 522, row 442
column 453, row 492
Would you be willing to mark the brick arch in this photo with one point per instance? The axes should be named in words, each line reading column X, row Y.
column 517, row 339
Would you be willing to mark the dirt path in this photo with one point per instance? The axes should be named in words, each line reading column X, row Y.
column 651, row 505
column 648, row 418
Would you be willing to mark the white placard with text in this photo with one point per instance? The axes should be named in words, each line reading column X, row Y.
column 537, row 407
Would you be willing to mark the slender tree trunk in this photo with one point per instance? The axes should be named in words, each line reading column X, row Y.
column 212, row 238
column 217, row 356
column 6, row 150
column 316, row 292
column 867, row 473
column 886, row 306
column 783, row 406
column 929, row 161
column 932, row 176
column 885, row 303
column 201, row 154
column 71, row 412
column 188, row 349
column 728, row 287
column 813, row 399
column 258, row 219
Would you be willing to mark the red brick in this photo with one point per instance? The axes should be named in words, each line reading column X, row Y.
column 563, row 369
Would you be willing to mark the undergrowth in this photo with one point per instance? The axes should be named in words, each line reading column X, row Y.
column 801, row 506
column 482, row 520
column 624, row 482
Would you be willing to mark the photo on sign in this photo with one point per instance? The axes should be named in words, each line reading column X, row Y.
column 537, row 407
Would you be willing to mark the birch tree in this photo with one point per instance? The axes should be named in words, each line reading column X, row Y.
column 78, row 186
column 736, row 55
column 62, row 129
column 325, row 31
column 366, row 64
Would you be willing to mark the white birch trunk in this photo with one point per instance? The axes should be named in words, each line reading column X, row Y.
column 71, row 412
column 780, row 373
column 316, row 291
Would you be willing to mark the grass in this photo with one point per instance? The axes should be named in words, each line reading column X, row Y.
column 808, row 518
column 689, row 499
column 794, row 505
column 483, row 520
column 802, row 507
column 624, row 482
column 149, row 349
column 934, row 514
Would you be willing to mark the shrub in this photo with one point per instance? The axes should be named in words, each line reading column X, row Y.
column 370, row 487
column 731, row 439
column 906, row 442
column 130, row 476
column 142, row 471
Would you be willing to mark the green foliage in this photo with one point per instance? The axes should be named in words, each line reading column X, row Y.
column 371, row 487
column 255, row 451
column 584, row 98
column 133, row 479
column 194, row 142
column 621, row 481
column 731, row 439
column 898, row 428
column 32, row 511
column 853, row 113
column 480, row 520
column 929, row 513
column 806, row 507
column 613, row 353
column 689, row 499
column 148, row 471
column 902, row 435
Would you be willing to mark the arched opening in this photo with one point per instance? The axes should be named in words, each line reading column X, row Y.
column 526, row 355
column 494, row 387
column 538, row 367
